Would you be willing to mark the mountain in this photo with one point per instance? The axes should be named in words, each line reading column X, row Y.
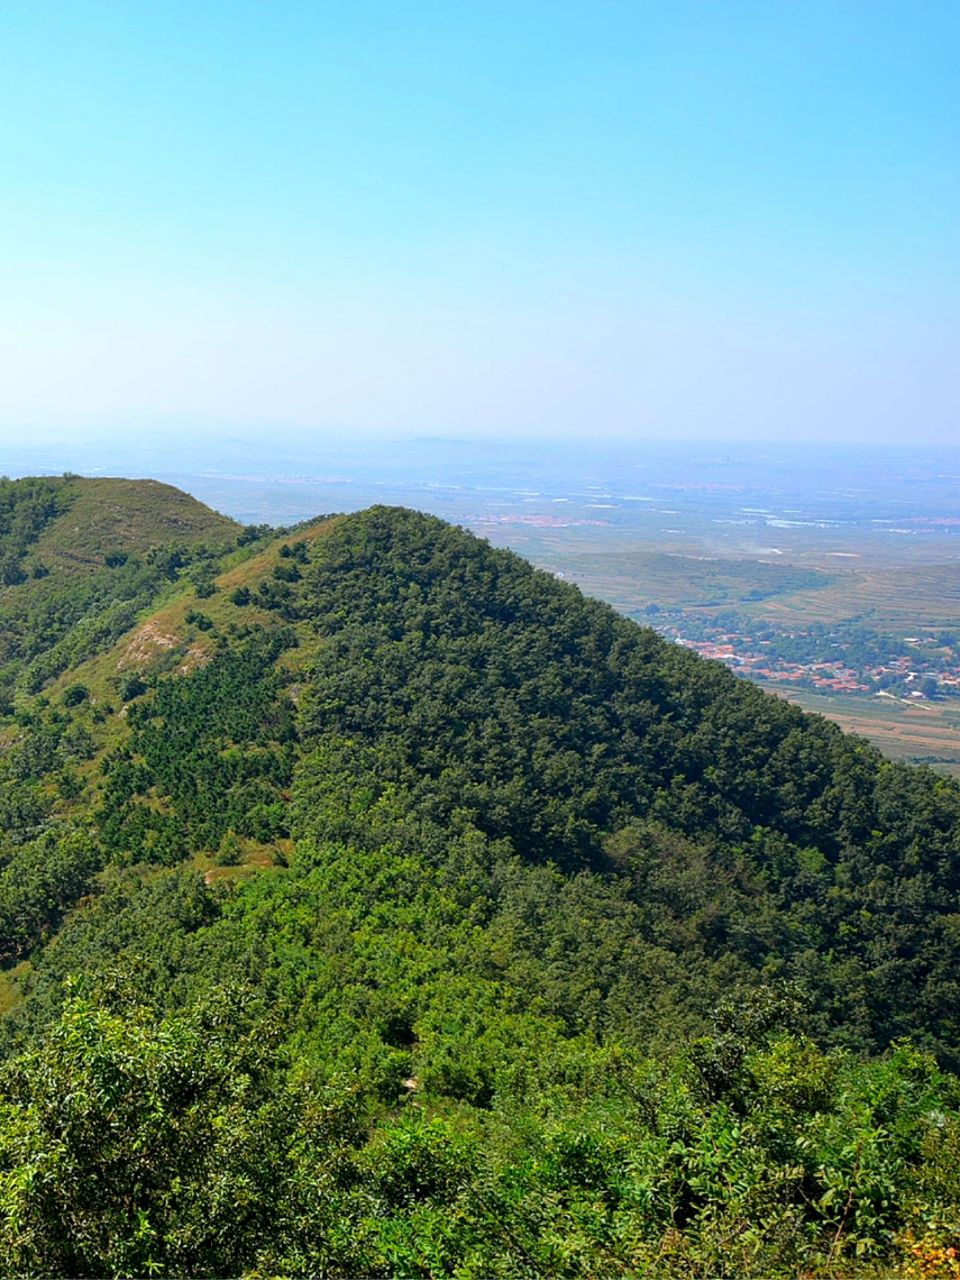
column 372, row 903
column 79, row 558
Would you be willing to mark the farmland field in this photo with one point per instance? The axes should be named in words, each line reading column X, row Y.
column 925, row 734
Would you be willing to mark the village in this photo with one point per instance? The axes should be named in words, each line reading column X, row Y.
column 927, row 671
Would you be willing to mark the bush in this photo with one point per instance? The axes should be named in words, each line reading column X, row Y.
column 230, row 850
column 132, row 686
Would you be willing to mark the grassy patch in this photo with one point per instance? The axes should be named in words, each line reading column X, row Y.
column 106, row 515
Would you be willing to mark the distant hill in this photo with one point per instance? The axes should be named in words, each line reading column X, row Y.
column 372, row 903
column 79, row 557
column 74, row 521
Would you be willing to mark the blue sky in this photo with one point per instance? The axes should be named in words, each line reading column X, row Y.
column 711, row 220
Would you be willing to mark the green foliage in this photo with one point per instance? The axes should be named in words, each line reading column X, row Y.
column 26, row 508
column 208, row 751
column 287, row 571
column 39, row 881
column 202, row 578
column 253, row 533
column 129, row 1147
column 194, row 618
column 229, row 849
column 131, row 686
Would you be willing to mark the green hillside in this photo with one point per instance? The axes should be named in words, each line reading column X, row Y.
column 76, row 522
column 79, row 558
column 373, row 904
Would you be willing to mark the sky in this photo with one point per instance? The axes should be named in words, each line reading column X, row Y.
column 647, row 220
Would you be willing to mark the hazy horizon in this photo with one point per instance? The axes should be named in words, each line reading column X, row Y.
column 538, row 222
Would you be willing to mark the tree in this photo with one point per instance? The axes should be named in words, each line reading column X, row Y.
column 132, row 686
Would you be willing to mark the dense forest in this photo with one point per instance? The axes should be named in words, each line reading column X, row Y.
column 372, row 904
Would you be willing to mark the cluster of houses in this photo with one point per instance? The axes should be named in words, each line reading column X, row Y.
column 832, row 676
column 900, row 676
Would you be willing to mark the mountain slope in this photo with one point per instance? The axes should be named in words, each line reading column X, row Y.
column 80, row 557
column 455, row 834
column 478, row 695
column 74, row 521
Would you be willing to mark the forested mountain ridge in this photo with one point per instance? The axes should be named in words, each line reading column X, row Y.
column 458, row 925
